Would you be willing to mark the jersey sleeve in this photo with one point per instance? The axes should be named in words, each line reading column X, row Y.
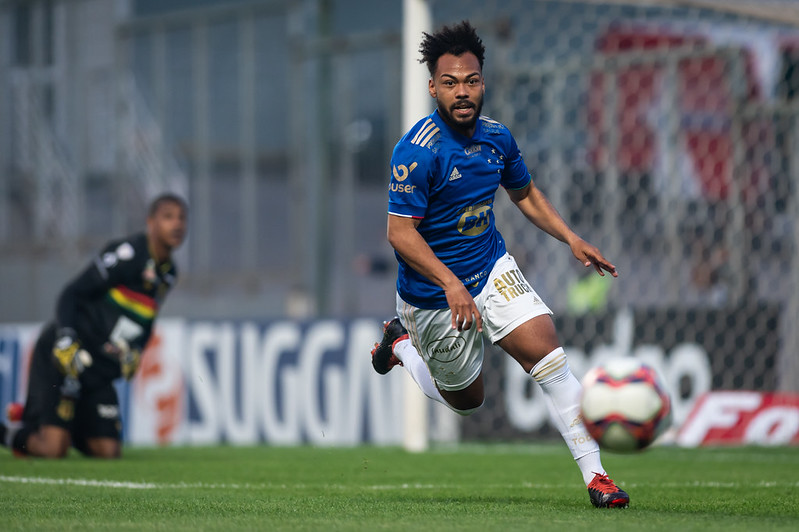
column 412, row 168
column 85, row 287
column 117, row 262
column 516, row 175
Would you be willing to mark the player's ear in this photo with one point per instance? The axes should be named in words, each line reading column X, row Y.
column 431, row 88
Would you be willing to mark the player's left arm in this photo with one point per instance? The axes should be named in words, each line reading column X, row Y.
column 537, row 208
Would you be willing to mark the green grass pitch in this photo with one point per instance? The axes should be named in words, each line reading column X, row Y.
column 462, row 488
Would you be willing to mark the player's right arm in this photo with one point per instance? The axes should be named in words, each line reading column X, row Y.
column 404, row 237
column 84, row 290
column 67, row 348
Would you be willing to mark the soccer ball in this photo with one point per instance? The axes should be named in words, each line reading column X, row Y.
column 624, row 405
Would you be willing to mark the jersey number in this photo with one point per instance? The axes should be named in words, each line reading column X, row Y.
column 125, row 329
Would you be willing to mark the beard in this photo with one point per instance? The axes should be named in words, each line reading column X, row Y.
column 463, row 125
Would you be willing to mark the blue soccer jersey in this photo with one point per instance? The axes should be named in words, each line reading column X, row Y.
column 448, row 181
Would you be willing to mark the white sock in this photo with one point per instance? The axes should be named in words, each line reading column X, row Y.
column 562, row 396
column 415, row 365
column 589, row 465
column 11, row 430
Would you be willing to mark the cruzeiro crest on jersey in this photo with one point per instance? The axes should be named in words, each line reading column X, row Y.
column 475, row 219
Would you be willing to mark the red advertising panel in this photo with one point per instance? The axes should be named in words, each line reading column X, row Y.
column 742, row 418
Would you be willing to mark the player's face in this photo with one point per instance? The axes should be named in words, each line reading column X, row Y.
column 458, row 88
column 167, row 225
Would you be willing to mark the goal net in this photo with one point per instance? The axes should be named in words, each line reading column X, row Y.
column 666, row 136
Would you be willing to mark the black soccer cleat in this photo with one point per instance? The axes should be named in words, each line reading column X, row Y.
column 605, row 493
column 383, row 357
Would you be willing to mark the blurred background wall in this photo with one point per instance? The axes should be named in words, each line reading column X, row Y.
column 665, row 132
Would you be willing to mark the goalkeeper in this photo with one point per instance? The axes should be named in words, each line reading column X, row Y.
column 104, row 318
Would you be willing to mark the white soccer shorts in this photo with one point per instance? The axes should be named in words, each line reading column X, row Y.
column 455, row 358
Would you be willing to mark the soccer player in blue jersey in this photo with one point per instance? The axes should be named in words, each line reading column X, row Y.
column 456, row 282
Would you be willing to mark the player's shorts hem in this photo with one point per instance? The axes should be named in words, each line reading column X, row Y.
column 508, row 328
column 458, row 387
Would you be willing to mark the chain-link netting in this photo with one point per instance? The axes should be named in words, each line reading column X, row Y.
column 666, row 137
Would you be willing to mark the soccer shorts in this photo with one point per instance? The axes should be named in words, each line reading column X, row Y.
column 455, row 358
column 95, row 413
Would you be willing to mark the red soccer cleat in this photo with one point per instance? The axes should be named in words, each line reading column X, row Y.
column 605, row 494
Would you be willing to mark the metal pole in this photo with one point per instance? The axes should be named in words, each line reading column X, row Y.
column 555, row 170
column 249, row 220
column 788, row 376
column 737, row 238
column 672, row 205
column 321, row 259
column 417, row 17
column 297, row 301
column 612, row 210
column 346, row 189
column 5, row 125
column 201, row 205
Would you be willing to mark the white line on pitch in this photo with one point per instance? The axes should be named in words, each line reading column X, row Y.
column 124, row 484
column 378, row 487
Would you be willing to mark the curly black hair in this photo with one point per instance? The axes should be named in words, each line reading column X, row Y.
column 455, row 40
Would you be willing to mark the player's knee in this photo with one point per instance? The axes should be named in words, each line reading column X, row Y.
column 52, row 447
column 466, row 405
column 108, row 454
column 463, row 404
column 466, row 411
column 105, row 449
column 48, row 442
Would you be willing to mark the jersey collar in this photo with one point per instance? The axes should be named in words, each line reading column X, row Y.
column 455, row 134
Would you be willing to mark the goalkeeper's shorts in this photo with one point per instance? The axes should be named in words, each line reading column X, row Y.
column 94, row 414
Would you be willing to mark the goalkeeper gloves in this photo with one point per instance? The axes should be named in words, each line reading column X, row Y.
column 129, row 362
column 69, row 358
column 129, row 357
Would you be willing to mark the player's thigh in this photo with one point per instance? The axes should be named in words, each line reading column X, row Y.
column 515, row 317
column 531, row 341
column 454, row 358
column 508, row 300
column 97, row 417
column 44, row 404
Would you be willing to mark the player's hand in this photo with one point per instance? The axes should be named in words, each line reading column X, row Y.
column 588, row 255
column 70, row 388
column 129, row 361
column 464, row 311
column 129, row 357
column 69, row 358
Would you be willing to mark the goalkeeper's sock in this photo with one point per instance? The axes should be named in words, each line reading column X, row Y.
column 416, row 367
column 562, row 397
